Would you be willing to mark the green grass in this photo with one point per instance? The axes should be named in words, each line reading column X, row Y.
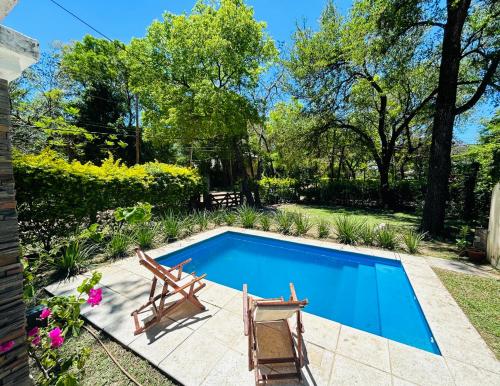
column 399, row 220
column 479, row 298
column 101, row 370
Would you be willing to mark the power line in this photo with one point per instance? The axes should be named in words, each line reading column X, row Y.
column 81, row 20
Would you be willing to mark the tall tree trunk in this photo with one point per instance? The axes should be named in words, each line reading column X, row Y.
column 384, row 191
column 240, row 167
column 444, row 117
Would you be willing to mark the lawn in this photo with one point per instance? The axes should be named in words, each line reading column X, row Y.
column 479, row 298
column 101, row 370
column 435, row 248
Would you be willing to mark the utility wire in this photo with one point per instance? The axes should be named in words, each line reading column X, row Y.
column 81, row 20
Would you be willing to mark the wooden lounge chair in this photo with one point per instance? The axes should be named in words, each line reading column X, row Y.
column 271, row 348
column 178, row 287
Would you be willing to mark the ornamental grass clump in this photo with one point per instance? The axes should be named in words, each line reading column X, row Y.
column 119, row 243
column 412, row 241
column 265, row 221
column 368, row 234
column 284, row 221
column 70, row 258
column 302, row 224
column 229, row 217
column 323, row 229
column 386, row 237
column 145, row 234
column 347, row 229
column 248, row 216
column 201, row 219
column 172, row 227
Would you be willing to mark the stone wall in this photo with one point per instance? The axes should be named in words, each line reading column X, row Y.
column 493, row 244
column 14, row 363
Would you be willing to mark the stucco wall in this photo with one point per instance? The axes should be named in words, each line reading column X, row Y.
column 493, row 245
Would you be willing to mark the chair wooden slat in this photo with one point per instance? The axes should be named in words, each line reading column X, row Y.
column 171, row 278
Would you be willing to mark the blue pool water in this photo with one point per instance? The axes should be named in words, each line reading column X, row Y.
column 365, row 292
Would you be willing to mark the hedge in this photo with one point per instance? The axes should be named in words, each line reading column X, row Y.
column 274, row 190
column 54, row 193
column 404, row 194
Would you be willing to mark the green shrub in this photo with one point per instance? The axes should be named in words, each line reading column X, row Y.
column 55, row 195
column 248, row 216
column 412, row 241
column 145, row 234
column 386, row 237
column 119, row 244
column 72, row 257
column 229, row 217
column 368, row 234
column 265, row 221
column 347, row 229
column 278, row 190
column 284, row 221
column 323, row 228
column 172, row 227
column 302, row 224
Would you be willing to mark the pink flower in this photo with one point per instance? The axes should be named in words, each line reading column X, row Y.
column 7, row 346
column 95, row 297
column 36, row 340
column 56, row 338
column 33, row 332
column 46, row 312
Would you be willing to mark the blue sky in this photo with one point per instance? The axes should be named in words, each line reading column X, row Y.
column 123, row 20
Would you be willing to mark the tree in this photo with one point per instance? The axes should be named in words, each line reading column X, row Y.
column 43, row 113
column 194, row 73
column 106, row 105
column 462, row 41
column 346, row 75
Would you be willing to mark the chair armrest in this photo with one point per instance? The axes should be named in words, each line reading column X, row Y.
column 293, row 295
column 245, row 309
column 179, row 267
column 192, row 282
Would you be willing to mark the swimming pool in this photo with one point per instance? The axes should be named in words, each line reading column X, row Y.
column 361, row 291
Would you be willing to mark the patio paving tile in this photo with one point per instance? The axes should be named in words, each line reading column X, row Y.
column 160, row 340
column 418, row 366
column 322, row 332
column 349, row 372
column 113, row 307
column 401, row 382
column 191, row 316
column 469, row 375
column 318, row 365
column 231, row 370
column 235, row 305
column 224, row 326
column 217, row 294
column 194, row 359
column 364, row 347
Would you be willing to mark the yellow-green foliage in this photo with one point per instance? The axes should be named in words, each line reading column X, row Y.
column 51, row 190
column 274, row 190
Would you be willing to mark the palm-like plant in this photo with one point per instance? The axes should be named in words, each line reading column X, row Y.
column 386, row 237
column 323, row 229
column 347, row 229
column 412, row 241
column 284, row 221
column 72, row 257
column 248, row 216
column 302, row 224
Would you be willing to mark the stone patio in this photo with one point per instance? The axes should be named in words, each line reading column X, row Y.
column 209, row 348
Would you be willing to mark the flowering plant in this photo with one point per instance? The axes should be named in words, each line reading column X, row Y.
column 61, row 318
